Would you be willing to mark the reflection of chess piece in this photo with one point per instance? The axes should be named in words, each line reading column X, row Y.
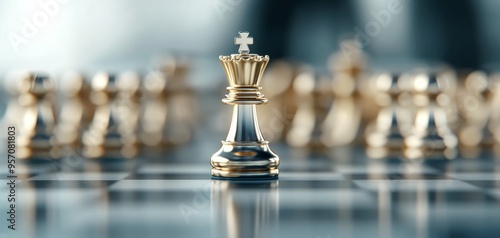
column 76, row 110
column 244, row 153
column 36, row 100
column 386, row 133
column 251, row 207
column 431, row 131
column 114, row 125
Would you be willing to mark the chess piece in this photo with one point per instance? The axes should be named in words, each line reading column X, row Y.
column 304, row 121
column 35, row 95
column 76, row 111
column 431, row 132
column 494, row 109
column 386, row 134
column 181, row 106
column 344, row 117
column 244, row 153
column 154, row 112
column 169, row 110
column 473, row 109
column 313, row 99
column 350, row 73
column 113, row 129
column 277, row 84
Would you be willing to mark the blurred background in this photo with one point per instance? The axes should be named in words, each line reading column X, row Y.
column 318, row 37
column 121, row 35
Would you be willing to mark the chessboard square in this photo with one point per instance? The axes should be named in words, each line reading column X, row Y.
column 415, row 185
column 316, row 184
column 487, row 184
column 316, row 176
column 160, row 185
column 472, row 166
column 24, row 169
column 18, row 176
column 378, row 168
column 495, row 193
column 167, row 176
column 324, row 198
column 66, row 184
column 438, row 196
column 396, row 176
column 475, row 176
column 174, row 169
column 303, row 166
column 59, row 198
column 83, row 176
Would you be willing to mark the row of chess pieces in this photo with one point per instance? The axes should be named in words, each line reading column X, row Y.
column 105, row 115
column 416, row 114
column 419, row 113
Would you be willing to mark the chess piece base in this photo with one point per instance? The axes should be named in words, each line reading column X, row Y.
column 245, row 160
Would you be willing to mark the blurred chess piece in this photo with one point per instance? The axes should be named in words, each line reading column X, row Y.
column 343, row 121
column 32, row 109
column 431, row 132
column 277, row 84
column 354, row 64
column 351, row 70
column 113, row 129
column 76, row 111
column 17, row 86
column 304, row 121
column 385, row 135
column 154, row 111
column 181, row 103
column 475, row 108
column 494, row 108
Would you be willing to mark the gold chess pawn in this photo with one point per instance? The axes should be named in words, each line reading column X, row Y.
column 304, row 121
column 386, row 134
column 475, row 111
column 494, row 108
column 245, row 153
column 277, row 84
column 154, row 112
column 431, row 131
column 36, row 116
column 76, row 111
column 181, row 103
column 113, row 129
column 343, row 121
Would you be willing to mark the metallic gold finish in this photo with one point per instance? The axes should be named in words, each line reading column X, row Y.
column 245, row 153
column 34, row 115
column 114, row 125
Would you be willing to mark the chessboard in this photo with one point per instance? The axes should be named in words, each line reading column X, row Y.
column 337, row 194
